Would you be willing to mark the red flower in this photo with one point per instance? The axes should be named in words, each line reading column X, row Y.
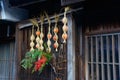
column 40, row 62
column 43, row 59
column 37, row 66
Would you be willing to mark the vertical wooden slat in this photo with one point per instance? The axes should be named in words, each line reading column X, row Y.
column 108, row 50
column 25, row 39
column 97, row 68
column 80, row 58
column 13, row 59
column 92, row 72
column 81, row 72
column 10, row 62
column 119, row 53
column 102, row 57
column 113, row 56
column 86, row 58
column 4, row 59
column 29, row 35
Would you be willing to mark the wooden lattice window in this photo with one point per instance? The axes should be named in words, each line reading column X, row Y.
column 102, row 53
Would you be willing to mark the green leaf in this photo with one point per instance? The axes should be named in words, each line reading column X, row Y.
column 33, row 70
column 32, row 56
column 24, row 66
column 22, row 61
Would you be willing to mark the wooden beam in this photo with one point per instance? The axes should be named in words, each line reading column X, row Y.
column 28, row 3
column 68, row 2
column 27, row 23
column 71, row 49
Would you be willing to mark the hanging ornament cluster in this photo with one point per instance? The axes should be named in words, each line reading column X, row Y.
column 65, row 27
column 40, row 34
column 37, row 58
column 40, row 54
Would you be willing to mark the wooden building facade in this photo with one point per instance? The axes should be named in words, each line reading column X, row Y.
column 92, row 51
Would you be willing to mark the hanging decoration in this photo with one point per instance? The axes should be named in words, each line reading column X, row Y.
column 34, row 22
column 32, row 38
column 65, row 27
column 40, row 51
column 36, row 59
column 49, row 36
column 38, row 38
column 55, row 37
column 41, row 35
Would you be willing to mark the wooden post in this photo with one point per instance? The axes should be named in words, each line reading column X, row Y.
column 71, row 49
column 19, row 38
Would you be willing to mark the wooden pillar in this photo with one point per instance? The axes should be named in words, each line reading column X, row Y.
column 71, row 49
column 18, row 40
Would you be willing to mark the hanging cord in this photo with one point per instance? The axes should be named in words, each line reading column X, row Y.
column 35, row 23
column 41, row 35
column 32, row 38
column 56, row 19
column 49, row 36
column 48, row 21
column 66, row 9
column 55, row 37
column 42, row 20
column 65, row 27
